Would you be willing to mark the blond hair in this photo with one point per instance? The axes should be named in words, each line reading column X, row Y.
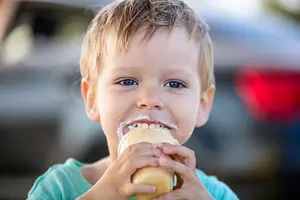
column 123, row 19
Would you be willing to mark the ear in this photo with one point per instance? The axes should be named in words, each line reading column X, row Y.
column 204, row 109
column 90, row 100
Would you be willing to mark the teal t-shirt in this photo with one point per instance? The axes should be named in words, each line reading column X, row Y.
column 65, row 181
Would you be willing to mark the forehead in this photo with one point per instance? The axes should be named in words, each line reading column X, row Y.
column 161, row 48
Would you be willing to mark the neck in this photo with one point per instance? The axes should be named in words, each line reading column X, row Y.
column 113, row 150
column 93, row 172
column 96, row 170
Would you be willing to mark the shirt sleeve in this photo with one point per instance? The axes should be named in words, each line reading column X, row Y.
column 60, row 182
column 46, row 187
column 35, row 197
column 217, row 189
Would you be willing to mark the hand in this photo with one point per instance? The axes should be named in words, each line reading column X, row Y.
column 116, row 183
column 189, row 186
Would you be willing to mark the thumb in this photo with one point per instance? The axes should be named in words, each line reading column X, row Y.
column 131, row 189
column 174, row 195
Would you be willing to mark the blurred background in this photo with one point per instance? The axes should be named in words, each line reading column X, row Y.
column 252, row 140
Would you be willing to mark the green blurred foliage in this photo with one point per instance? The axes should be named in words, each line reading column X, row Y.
column 274, row 6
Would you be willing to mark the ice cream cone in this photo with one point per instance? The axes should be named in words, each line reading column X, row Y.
column 162, row 179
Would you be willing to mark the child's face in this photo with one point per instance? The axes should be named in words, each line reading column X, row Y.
column 157, row 79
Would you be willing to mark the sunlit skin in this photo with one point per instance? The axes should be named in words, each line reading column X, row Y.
column 159, row 79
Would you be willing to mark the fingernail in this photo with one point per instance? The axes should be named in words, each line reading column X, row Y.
column 153, row 189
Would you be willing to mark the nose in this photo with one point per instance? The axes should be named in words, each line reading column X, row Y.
column 150, row 99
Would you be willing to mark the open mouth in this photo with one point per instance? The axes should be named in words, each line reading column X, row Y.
column 147, row 124
column 125, row 127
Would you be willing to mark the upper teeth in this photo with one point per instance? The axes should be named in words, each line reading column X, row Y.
column 144, row 125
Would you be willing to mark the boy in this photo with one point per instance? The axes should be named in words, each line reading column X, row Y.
column 143, row 62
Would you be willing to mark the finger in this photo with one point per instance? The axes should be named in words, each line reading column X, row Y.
column 174, row 195
column 131, row 189
column 187, row 155
column 135, row 163
column 186, row 193
column 179, row 179
column 141, row 149
column 179, row 168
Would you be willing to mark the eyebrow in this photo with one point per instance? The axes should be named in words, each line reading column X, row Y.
column 182, row 71
column 171, row 71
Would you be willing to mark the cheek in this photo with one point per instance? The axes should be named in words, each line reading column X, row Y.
column 186, row 127
column 110, row 109
column 108, row 101
column 186, row 113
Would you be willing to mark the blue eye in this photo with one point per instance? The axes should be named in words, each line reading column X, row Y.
column 127, row 82
column 175, row 84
